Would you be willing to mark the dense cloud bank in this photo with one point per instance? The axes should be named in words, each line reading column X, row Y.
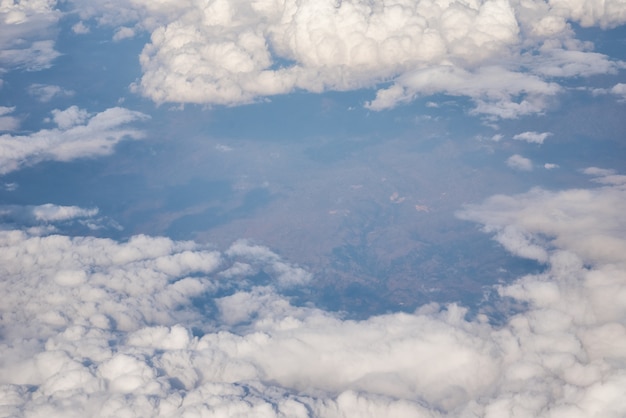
column 505, row 55
column 508, row 56
column 155, row 327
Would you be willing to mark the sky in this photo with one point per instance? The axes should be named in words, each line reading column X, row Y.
column 313, row 208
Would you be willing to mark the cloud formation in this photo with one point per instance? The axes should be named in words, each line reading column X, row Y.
column 504, row 55
column 517, row 162
column 27, row 36
column 78, row 134
column 532, row 137
column 8, row 122
column 154, row 327
column 44, row 92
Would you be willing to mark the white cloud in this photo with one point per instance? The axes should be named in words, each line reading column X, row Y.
column 27, row 36
column 558, row 62
column 238, row 52
column 619, row 90
column 79, row 134
column 69, row 117
column 597, row 171
column 43, row 214
column 533, row 137
column 80, row 28
column 496, row 91
column 101, row 328
column 606, row 14
column 517, row 162
column 45, row 93
column 50, row 212
column 8, row 123
column 550, row 166
column 123, row 33
column 286, row 274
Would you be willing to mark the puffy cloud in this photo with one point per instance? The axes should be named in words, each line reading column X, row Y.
column 78, row 134
column 583, row 221
column 517, row 162
column 238, row 52
column 619, row 90
column 80, row 28
column 591, row 12
column 286, row 274
column 26, row 40
column 532, row 137
column 143, row 328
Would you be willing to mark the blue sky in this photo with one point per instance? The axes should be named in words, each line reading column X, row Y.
column 312, row 208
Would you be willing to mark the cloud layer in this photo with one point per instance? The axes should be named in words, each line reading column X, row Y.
column 155, row 327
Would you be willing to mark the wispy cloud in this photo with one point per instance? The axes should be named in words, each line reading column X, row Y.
column 78, row 134
column 532, row 137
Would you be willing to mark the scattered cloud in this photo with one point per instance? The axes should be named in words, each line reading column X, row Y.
column 533, row 137
column 27, row 36
column 7, row 122
column 44, row 92
column 78, row 134
column 50, row 218
column 517, row 162
column 550, row 166
column 619, row 90
column 123, row 33
column 80, row 28
column 598, row 172
column 49, row 212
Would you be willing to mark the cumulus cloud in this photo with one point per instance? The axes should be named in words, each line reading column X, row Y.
column 619, row 90
column 78, row 134
column 238, row 52
column 533, row 137
column 80, row 28
column 154, row 327
column 517, row 162
column 27, row 36
column 123, row 33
